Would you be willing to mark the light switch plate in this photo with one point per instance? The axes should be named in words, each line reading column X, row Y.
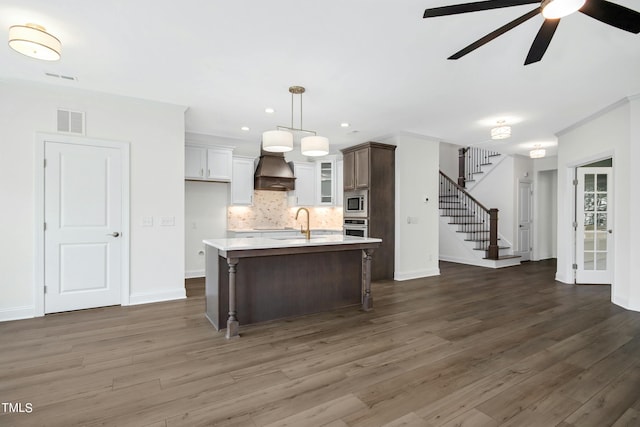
column 167, row 221
column 147, row 221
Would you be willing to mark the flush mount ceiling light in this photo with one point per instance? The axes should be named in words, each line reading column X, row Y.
column 502, row 131
column 32, row 40
column 538, row 152
column 281, row 140
column 555, row 9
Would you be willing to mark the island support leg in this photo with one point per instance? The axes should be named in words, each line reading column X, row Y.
column 232, row 322
column 367, row 300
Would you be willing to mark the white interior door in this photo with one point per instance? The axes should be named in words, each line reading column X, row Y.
column 594, row 232
column 525, row 219
column 83, row 236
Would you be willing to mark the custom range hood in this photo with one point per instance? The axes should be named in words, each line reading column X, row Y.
column 273, row 173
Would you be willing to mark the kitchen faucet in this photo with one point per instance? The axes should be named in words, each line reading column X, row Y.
column 306, row 232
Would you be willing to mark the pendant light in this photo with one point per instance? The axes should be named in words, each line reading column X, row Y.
column 281, row 140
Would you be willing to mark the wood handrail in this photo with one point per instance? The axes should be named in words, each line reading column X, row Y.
column 489, row 216
column 487, row 210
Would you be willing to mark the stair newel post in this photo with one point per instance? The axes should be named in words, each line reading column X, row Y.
column 461, row 169
column 493, row 252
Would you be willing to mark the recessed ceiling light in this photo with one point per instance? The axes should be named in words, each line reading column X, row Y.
column 269, row 110
column 344, row 125
column 245, row 128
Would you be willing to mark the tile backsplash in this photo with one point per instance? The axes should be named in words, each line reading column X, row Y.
column 271, row 210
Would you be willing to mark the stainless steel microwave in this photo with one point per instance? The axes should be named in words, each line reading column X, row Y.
column 355, row 203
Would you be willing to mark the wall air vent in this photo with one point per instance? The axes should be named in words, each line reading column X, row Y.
column 71, row 122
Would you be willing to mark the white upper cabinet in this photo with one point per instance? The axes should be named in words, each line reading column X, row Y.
column 219, row 164
column 326, row 182
column 305, row 192
column 242, row 181
column 195, row 162
column 208, row 163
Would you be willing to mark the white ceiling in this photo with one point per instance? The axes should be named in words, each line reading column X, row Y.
column 373, row 63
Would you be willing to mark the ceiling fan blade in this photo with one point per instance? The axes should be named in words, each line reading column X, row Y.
column 474, row 7
column 492, row 35
column 542, row 40
column 613, row 14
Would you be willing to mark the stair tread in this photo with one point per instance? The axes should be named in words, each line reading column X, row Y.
column 506, row 257
column 471, row 232
column 499, row 247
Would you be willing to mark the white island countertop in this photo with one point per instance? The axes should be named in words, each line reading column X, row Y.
column 252, row 243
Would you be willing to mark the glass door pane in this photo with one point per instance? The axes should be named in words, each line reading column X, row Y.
column 593, row 213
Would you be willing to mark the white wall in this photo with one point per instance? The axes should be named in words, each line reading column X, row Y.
column 449, row 160
column 155, row 132
column 417, row 178
column 497, row 189
column 205, row 214
column 615, row 133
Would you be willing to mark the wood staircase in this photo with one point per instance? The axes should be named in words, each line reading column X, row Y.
column 477, row 224
column 471, row 163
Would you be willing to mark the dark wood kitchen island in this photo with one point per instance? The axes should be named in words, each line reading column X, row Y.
column 251, row 280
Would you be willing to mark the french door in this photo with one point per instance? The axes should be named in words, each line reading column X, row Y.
column 594, row 232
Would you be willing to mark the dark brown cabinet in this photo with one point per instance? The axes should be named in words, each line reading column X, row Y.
column 371, row 166
column 356, row 169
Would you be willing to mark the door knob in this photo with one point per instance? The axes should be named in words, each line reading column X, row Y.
column 610, row 231
column 114, row 234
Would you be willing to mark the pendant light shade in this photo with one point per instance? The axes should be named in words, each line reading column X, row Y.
column 281, row 140
column 32, row 40
column 277, row 141
column 555, row 9
column 314, row 146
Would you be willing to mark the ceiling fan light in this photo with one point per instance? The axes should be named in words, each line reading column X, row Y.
column 32, row 40
column 555, row 9
column 277, row 141
column 314, row 146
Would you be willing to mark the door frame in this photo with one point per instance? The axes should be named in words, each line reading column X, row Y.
column 40, row 139
column 610, row 219
column 531, row 223
column 565, row 272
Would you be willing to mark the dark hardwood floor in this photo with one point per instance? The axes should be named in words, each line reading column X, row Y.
column 472, row 347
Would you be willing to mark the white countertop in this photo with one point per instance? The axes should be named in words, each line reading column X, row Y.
column 276, row 230
column 240, row 243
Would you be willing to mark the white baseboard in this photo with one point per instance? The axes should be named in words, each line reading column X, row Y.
column 191, row 274
column 416, row 274
column 487, row 263
column 149, row 297
column 624, row 303
column 563, row 279
column 17, row 313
